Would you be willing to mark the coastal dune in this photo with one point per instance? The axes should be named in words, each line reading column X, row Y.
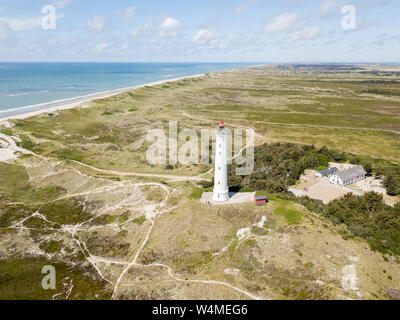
column 53, row 106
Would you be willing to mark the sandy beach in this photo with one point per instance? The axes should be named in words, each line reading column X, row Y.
column 70, row 103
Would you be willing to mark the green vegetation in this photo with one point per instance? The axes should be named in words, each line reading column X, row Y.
column 21, row 279
column 68, row 211
column 232, row 247
column 271, row 223
column 292, row 215
column 107, row 113
column 14, row 184
column 273, row 162
column 7, row 131
column 191, row 263
column 140, row 220
column 51, row 246
column 107, row 246
column 26, row 144
column 106, row 219
column 196, row 193
column 382, row 92
column 392, row 182
column 68, row 154
column 259, row 231
column 10, row 214
column 157, row 195
column 366, row 217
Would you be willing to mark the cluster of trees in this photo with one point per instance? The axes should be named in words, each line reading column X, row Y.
column 365, row 216
column 392, row 182
column 279, row 165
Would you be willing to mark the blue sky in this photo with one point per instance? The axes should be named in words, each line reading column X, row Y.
column 206, row 30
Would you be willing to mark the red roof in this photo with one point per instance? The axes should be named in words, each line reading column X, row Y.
column 221, row 124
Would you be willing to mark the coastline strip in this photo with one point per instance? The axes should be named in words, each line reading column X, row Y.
column 71, row 103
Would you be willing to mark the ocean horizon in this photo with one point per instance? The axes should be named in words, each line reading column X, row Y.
column 26, row 86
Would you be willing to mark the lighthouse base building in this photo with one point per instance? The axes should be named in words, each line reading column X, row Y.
column 221, row 191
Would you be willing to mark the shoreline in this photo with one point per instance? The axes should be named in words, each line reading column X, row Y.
column 71, row 103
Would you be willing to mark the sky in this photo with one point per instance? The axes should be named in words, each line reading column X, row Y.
column 200, row 31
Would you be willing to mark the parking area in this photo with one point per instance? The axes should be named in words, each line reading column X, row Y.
column 326, row 192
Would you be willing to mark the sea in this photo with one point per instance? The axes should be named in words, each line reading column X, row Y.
column 26, row 87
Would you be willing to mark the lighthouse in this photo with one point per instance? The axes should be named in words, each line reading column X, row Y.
column 221, row 191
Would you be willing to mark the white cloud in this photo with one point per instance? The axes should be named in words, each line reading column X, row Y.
column 16, row 24
column 203, row 36
column 308, row 33
column 4, row 30
column 170, row 23
column 329, row 8
column 169, row 26
column 61, row 4
column 128, row 13
column 143, row 29
column 245, row 6
column 101, row 46
column 284, row 22
column 96, row 23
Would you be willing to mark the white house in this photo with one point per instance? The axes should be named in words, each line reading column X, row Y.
column 349, row 176
column 327, row 172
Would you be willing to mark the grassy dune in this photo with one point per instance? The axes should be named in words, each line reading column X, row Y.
column 294, row 105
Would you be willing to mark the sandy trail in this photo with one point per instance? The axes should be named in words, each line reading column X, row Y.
column 136, row 174
column 157, row 210
column 9, row 150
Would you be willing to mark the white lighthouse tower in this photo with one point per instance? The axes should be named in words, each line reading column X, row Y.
column 221, row 191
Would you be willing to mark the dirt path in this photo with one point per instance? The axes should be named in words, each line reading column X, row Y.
column 136, row 174
column 157, row 210
column 170, row 272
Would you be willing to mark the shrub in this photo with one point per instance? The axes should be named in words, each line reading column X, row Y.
column 26, row 144
column 69, row 154
column 139, row 220
column 206, row 184
column 392, row 183
column 196, row 193
column 366, row 217
column 7, row 131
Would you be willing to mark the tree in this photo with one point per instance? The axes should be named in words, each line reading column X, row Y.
column 368, row 169
column 355, row 160
column 372, row 201
column 392, row 183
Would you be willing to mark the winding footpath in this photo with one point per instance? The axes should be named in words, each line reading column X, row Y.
column 157, row 210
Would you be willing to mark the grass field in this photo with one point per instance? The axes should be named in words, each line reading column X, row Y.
column 323, row 108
